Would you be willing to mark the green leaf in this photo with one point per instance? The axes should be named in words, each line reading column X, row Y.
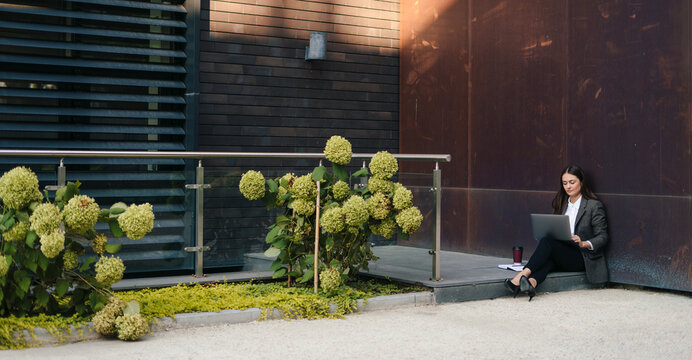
column 307, row 276
column 24, row 284
column 271, row 184
column 43, row 261
column 30, row 264
column 41, row 296
column 319, row 173
column 335, row 263
column 340, row 172
column 10, row 248
column 9, row 223
column 132, row 308
column 7, row 216
column 115, row 228
column 61, row 287
column 269, row 199
column 272, row 252
column 34, row 205
column 96, row 301
column 360, row 173
column 8, row 259
column 275, row 265
column 2, row 295
column 273, row 234
column 329, row 243
column 31, row 237
column 60, row 194
column 279, row 273
column 116, row 211
column 85, row 265
column 282, row 220
column 71, row 189
column 309, row 260
column 281, row 244
column 113, row 248
column 295, row 274
column 23, row 216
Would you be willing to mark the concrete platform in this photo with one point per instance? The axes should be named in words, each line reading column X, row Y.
column 464, row 276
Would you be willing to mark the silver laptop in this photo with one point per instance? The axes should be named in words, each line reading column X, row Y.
column 552, row 226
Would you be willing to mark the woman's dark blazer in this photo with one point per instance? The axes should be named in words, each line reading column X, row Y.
column 591, row 225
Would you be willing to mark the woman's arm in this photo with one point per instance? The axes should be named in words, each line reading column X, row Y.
column 599, row 225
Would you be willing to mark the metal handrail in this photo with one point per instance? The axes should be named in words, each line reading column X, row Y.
column 199, row 186
column 205, row 155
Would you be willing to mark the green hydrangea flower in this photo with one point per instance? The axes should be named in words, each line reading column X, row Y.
column 45, row 219
column 289, row 179
column 386, row 228
column 81, row 213
column 409, row 220
column 340, row 190
column 304, row 188
column 109, row 270
column 19, row 187
column 383, row 165
column 279, row 197
column 332, row 221
column 69, row 259
column 338, row 150
column 53, row 243
column 252, row 185
column 378, row 206
column 98, row 243
column 17, row 232
column 137, row 220
column 131, row 327
column 403, row 198
column 356, row 211
column 376, row 185
column 4, row 266
column 330, row 279
column 104, row 320
column 304, row 207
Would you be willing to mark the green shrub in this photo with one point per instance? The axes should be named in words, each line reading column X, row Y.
column 42, row 243
column 348, row 217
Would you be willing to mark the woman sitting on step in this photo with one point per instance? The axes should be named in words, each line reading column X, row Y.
column 589, row 226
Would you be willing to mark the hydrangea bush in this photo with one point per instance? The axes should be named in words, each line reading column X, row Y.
column 51, row 257
column 348, row 216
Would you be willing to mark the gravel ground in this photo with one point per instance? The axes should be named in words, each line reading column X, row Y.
column 584, row 324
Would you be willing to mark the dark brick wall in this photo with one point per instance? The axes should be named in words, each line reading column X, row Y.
column 257, row 93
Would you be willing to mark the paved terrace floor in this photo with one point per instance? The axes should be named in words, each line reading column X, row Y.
column 464, row 276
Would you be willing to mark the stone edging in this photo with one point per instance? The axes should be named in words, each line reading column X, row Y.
column 191, row 320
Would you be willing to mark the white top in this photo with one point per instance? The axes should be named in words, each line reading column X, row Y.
column 572, row 210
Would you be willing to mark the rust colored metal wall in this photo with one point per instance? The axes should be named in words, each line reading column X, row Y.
column 516, row 90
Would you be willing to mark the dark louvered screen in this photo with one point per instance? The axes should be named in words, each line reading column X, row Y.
column 103, row 75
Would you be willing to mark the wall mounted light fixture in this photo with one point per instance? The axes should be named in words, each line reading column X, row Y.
column 317, row 50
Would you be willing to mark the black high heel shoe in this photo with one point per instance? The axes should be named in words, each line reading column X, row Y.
column 514, row 289
column 525, row 286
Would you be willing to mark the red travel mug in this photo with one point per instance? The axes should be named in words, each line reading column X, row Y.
column 516, row 254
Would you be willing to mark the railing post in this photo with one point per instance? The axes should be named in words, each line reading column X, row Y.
column 62, row 171
column 437, row 204
column 199, row 248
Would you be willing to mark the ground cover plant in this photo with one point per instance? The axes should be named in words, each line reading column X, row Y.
column 294, row 302
column 348, row 215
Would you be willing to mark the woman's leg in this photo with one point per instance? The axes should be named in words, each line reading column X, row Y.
column 549, row 255
column 539, row 264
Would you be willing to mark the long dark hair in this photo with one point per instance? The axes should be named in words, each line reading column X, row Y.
column 560, row 200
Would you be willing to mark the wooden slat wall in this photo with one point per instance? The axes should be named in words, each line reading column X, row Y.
column 257, row 93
